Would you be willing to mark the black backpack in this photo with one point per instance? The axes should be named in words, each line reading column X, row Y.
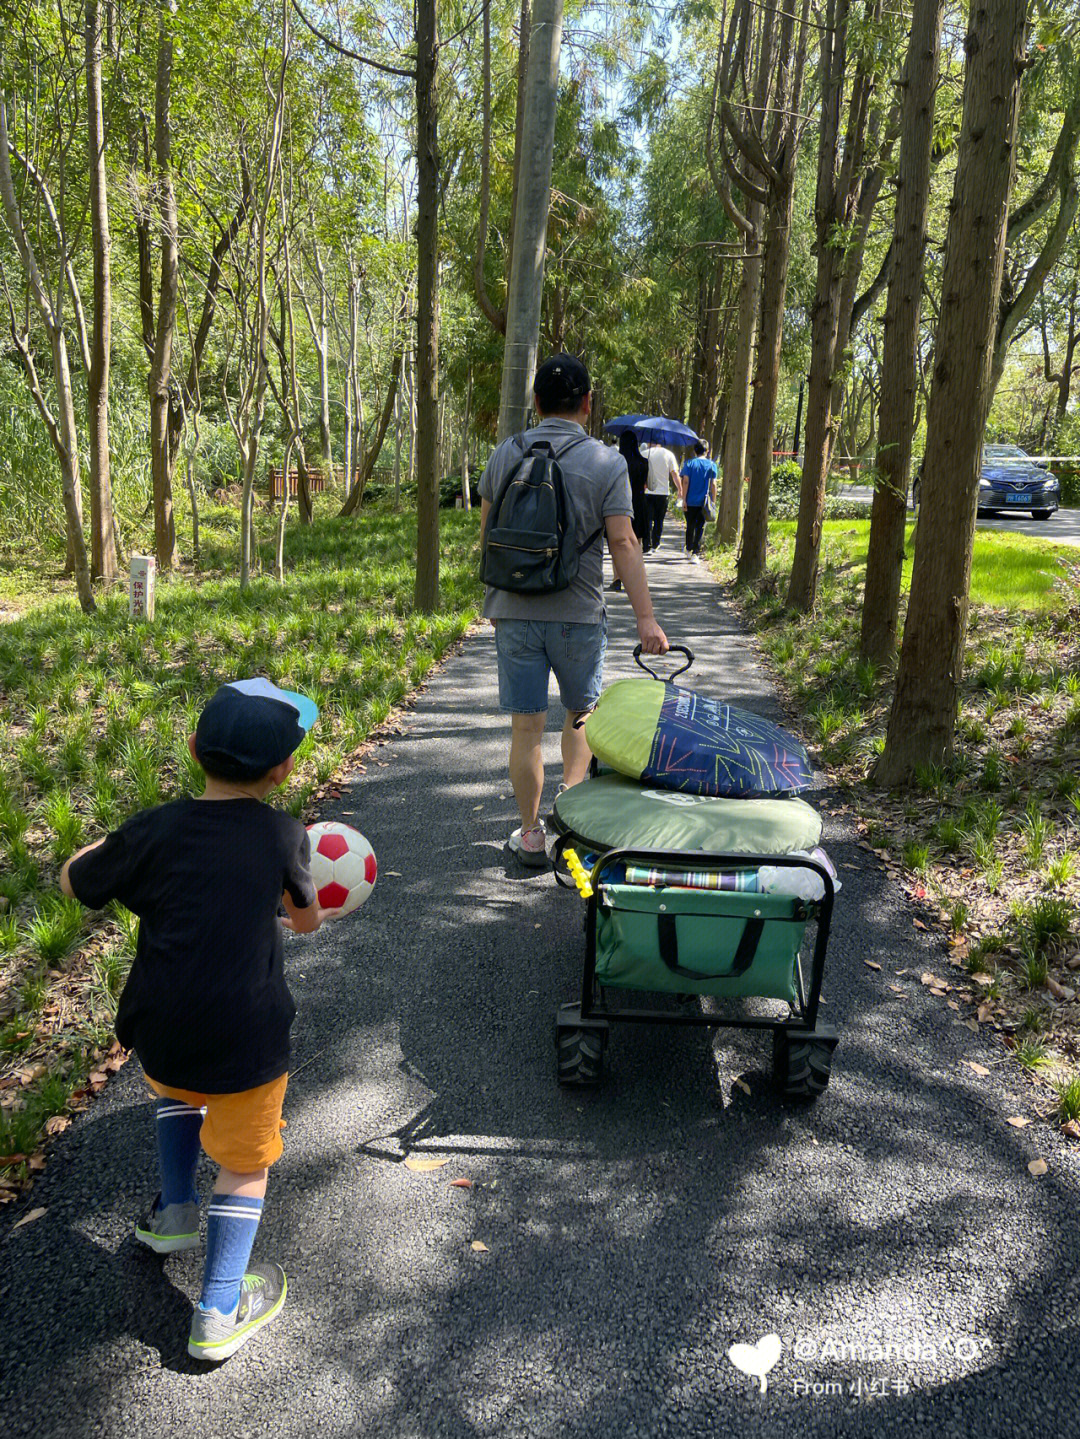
column 529, row 544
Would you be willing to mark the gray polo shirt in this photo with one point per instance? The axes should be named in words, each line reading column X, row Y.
column 597, row 481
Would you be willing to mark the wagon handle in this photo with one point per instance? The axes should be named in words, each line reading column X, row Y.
column 672, row 649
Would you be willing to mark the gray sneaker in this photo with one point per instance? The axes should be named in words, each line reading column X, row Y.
column 165, row 1230
column 214, row 1336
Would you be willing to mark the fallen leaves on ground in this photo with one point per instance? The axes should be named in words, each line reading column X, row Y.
column 1018, row 1121
column 740, row 1083
column 461, row 1184
column 1071, row 1128
column 27, row 1218
column 871, row 964
column 424, row 1166
column 1037, row 1166
column 980, row 1069
column 479, row 1247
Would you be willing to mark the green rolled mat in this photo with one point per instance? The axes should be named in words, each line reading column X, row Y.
column 613, row 812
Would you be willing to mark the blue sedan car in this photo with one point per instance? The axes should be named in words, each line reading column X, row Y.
column 1010, row 480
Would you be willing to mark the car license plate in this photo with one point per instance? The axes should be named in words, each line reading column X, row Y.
column 1024, row 499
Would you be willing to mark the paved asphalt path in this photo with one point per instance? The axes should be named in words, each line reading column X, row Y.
column 1062, row 528
column 632, row 1234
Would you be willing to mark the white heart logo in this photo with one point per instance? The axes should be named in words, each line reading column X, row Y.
column 757, row 1359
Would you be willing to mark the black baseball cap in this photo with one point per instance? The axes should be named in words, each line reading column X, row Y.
column 561, row 383
column 249, row 726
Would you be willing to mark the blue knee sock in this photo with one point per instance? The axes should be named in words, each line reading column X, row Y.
column 232, row 1220
column 177, row 1127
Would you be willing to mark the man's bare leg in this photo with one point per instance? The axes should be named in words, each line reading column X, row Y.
column 527, row 765
column 576, row 753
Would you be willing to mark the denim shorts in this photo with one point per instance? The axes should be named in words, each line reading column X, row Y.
column 529, row 650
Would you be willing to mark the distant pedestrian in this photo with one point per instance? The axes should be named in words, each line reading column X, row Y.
column 663, row 473
column 206, row 1006
column 699, row 491
column 565, row 630
column 638, row 469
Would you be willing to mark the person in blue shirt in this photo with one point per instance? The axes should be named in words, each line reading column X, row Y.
column 699, row 488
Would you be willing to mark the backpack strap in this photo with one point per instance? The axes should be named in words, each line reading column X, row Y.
column 580, row 440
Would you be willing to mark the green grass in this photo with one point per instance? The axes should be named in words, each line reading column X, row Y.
column 1032, row 1054
column 1008, row 571
column 1069, row 1099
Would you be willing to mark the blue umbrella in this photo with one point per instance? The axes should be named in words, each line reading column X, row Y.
column 657, row 430
column 621, row 423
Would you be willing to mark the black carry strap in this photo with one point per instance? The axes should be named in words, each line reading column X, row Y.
column 744, row 955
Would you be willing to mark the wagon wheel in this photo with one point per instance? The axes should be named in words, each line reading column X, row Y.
column 801, row 1065
column 580, row 1057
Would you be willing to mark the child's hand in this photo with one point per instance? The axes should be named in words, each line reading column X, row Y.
column 313, row 918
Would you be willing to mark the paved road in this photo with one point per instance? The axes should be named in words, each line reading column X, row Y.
column 1063, row 528
column 633, row 1234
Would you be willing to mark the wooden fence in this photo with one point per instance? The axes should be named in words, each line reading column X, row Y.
column 316, row 481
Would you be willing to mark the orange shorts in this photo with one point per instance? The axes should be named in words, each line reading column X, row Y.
column 241, row 1132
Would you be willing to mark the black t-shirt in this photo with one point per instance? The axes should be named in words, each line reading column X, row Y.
column 206, row 1006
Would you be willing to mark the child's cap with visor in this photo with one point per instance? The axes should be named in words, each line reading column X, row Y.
column 249, row 726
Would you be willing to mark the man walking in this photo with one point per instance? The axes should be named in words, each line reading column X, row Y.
column 663, row 473
column 699, row 489
column 564, row 630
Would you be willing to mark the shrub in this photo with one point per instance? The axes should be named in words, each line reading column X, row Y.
column 450, row 490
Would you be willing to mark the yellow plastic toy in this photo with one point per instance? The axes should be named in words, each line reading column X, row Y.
column 578, row 873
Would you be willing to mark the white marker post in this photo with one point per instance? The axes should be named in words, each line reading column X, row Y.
column 141, row 587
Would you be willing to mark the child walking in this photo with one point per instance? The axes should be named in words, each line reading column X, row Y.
column 206, row 1006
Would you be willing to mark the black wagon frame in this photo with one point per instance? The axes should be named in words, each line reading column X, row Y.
column 802, row 1048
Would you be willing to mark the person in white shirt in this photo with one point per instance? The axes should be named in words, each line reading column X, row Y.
column 663, row 472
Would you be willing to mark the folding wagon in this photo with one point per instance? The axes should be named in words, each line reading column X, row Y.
column 672, row 884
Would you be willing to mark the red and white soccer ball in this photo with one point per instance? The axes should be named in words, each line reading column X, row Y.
column 342, row 866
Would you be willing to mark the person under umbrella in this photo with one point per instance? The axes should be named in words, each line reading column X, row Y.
column 638, row 467
column 663, row 473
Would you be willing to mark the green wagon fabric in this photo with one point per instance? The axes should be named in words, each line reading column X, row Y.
column 702, row 934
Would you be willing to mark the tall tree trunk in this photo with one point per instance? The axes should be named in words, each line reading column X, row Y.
column 161, row 363
column 896, row 417
column 790, row 68
column 320, row 336
column 412, row 418
column 496, row 316
column 923, row 717
column 752, row 553
column 530, row 223
column 466, row 486
column 355, row 497
column 62, row 431
column 397, row 449
column 729, row 510
column 525, row 29
column 743, row 130
column 839, row 184
column 253, row 397
column 427, row 305
column 103, row 559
